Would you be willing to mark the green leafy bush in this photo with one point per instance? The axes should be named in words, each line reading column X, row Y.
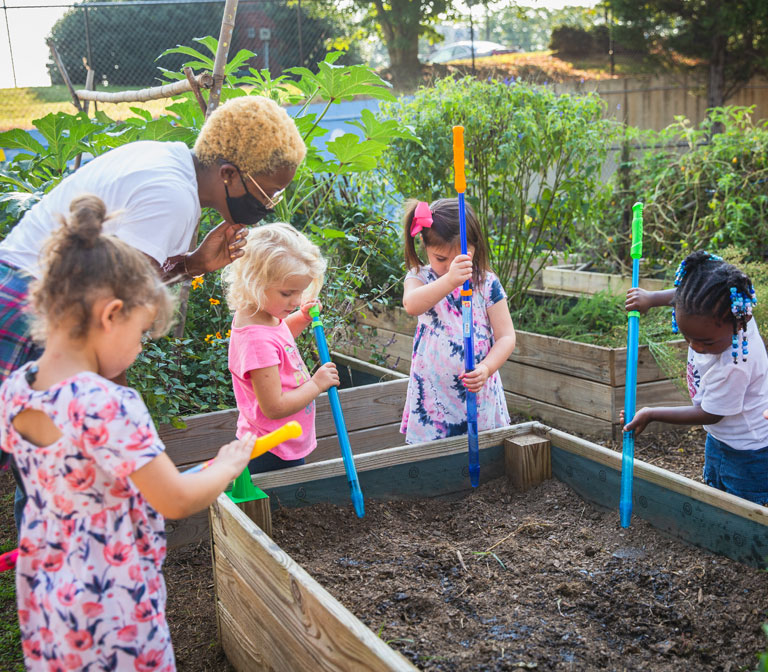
column 701, row 189
column 533, row 161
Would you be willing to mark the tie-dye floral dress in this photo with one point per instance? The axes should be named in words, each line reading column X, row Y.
column 436, row 405
column 90, row 591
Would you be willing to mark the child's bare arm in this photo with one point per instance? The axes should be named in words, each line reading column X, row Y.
column 299, row 320
column 504, row 343
column 177, row 495
column 418, row 298
column 641, row 299
column 676, row 415
column 277, row 403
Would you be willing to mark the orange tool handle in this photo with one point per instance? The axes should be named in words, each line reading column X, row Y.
column 459, row 181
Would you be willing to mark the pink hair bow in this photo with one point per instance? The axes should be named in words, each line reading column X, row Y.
column 422, row 218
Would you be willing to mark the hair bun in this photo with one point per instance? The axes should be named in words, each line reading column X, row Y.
column 87, row 216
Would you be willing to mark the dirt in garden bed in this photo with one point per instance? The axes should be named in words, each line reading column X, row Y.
column 191, row 610
column 503, row 580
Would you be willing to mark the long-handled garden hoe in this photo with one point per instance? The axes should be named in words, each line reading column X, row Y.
column 338, row 417
column 243, row 489
column 628, row 448
column 460, row 183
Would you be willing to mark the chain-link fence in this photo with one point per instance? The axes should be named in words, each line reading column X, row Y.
column 123, row 41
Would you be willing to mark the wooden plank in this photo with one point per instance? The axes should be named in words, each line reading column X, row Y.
column 526, row 461
column 357, row 365
column 391, row 348
column 308, row 628
column 690, row 511
column 561, row 418
column 666, row 479
column 189, row 530
column 576, row 394
column 361, row 441
column 259, row 511
column 381, row 459
column 364, row 407
column 647, row 368
column 565, row 278
column 393, row 319
column 658, row 393
column 582, row 360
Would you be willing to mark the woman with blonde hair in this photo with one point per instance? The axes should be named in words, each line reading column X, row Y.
column 247, row 152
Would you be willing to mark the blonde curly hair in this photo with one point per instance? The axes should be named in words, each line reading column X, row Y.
column 272, row 253
column 253, row 133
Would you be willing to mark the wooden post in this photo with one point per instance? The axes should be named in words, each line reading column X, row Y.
column 195, row 88
column 222, row 52
column 64, row 75
column 527, row 460
column 259, row 512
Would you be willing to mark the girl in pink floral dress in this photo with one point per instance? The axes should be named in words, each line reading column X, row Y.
column 435, row 406
column 90, row 591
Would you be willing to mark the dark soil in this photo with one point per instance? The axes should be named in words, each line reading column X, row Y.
column 503, row 580
column 620, row 605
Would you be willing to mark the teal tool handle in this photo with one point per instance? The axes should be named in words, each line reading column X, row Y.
column 338, row 418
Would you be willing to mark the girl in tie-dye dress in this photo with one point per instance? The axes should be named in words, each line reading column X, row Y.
column 436, row 402
column 89, row 586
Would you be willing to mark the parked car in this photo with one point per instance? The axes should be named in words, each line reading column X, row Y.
column 455, row 51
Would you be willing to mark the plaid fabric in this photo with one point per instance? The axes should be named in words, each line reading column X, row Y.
column 16, row 346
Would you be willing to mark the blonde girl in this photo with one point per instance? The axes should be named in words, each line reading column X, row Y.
column 271, row 289
column 92, row 542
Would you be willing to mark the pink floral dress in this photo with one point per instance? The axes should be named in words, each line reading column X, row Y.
column 90, row 591
column 436, row 403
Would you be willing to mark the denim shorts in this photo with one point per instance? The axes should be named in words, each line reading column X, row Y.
column 743, row 473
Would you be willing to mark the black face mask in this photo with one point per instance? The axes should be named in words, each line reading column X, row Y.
column 246, row 209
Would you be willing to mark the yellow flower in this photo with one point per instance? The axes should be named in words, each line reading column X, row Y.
column 229, row 331
column 735, row 160
column 197, row 282
column 214, row 302
column 208, row 338
column 218, row 335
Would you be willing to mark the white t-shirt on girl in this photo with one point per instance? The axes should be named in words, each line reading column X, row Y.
column 152, row 184
column 739, row 392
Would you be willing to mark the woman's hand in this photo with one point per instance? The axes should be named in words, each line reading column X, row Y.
column 326, row 377
column 460, row 270
column 220, row 247
column 475, row 379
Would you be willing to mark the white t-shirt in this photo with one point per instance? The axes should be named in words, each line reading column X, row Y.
column 153, row 187
column 738, row 392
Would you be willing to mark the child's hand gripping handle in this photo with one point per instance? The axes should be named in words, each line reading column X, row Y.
column 355, row 492
column 290, row 430
column 459, row 181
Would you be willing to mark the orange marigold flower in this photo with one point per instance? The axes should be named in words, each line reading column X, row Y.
column 208, row 338
column 214, row 302
column 218, row 335
column 197, row 282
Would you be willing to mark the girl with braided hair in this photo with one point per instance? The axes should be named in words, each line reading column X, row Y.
column 727, row 371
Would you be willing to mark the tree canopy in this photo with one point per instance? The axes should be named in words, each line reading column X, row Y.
column 727, row 39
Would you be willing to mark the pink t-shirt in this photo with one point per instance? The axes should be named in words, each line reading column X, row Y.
column 259, row 347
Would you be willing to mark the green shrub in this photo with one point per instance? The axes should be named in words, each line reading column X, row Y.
column 701, row 189
column 533, row 161
column 571, row 41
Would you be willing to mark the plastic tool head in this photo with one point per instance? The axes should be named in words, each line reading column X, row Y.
column 290, row 430
column 637, row 231
column 459, row 180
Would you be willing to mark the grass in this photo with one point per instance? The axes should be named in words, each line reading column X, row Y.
column 18, row 107
column 11, row 657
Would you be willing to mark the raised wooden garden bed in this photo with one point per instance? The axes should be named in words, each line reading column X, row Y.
column 574, row 386
column 272, row 615
column 372, row 410
column 568, row 280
